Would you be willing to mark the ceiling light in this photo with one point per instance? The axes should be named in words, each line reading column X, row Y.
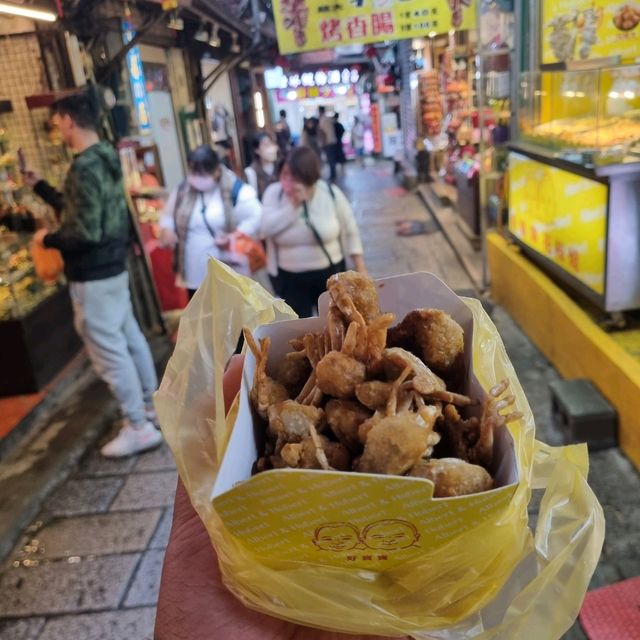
column 175, row 23
column 34, row 14
column 201, row 35
column 214, row 38
column 235, row 47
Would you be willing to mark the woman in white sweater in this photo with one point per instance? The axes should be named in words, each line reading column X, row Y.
column 310, row 230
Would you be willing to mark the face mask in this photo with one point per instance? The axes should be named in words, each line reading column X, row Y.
column 270, row 154
column 202, row 183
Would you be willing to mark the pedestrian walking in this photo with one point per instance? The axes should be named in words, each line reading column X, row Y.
column 310, row 230
column 201, row 215
column 309, row 137
column 339, row 129
column 93, row 238
column 357, row 139
column 328, row 141
column 262, row 171
column 283, row 134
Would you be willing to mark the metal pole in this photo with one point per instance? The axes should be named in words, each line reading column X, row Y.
column 482, row 192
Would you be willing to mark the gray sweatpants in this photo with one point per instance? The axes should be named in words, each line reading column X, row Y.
column 103, row 316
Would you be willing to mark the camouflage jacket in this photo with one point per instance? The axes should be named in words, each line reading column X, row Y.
column 94, row 221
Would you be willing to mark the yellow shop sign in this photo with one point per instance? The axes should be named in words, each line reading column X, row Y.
column 561, row 215
column 589, row 29
column 306, row 25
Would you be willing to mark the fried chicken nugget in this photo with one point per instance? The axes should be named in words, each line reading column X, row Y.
column 302, row 455
column 293, row 371
column 344, row 418
column 290, row 421
column 433, row 335
column 453, row 477
column 338, row 375
column 394, row 445
column 361, row 289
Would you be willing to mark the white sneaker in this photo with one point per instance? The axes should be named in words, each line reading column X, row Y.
column 132, row 440
column 152, row 416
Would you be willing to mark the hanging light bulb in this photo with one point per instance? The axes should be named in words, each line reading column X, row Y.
column 214, row 38
column 175, row 22
column 235, row 47
column 201, row 35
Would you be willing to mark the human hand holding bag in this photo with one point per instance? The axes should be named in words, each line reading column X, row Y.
column 252, row 250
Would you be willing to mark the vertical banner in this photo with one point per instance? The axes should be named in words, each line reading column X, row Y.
column 376, row 128
column 136, row 78
column 307, row 25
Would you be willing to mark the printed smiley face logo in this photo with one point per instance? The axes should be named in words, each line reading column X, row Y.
column 389, row 535
column 337, row 536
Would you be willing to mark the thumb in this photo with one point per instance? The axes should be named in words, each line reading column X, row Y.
column 232, row 379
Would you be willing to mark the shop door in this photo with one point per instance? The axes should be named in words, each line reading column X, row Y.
column 165, row 134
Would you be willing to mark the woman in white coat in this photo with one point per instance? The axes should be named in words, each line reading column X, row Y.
column 310, row 231
column 202, row 213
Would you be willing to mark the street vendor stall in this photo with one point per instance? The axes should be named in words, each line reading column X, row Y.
column 574, row 191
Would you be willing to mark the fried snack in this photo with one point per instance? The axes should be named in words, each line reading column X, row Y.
column 290, row 421
column 293, row 372
column 265, row 391
column 303, row 455
column 374, row 394
column 338, row 375
column 351, row 291
column 472, row 439
column 434, row 336
column 344, row 418
column 372, row 399
column 394, row 445
column 453, row 477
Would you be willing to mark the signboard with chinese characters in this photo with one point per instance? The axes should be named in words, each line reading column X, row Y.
column 136, row 78
column 276, row 79
column 589, row 30
column 307, row 25
column 561, row 215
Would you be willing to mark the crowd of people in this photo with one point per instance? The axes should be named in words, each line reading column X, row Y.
column 304, row 223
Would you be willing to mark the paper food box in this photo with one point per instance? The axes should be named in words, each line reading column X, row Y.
column 350, row 519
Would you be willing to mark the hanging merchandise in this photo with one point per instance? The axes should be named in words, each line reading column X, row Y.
column 430, row 103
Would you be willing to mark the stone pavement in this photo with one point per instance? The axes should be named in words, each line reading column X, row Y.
column 89, row 566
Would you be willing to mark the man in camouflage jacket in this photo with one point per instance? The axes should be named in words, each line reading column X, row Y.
column 93, row 238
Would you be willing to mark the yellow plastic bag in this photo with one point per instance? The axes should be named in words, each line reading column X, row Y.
column 494, row 581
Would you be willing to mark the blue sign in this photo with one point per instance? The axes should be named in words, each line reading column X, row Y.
column 136, row 77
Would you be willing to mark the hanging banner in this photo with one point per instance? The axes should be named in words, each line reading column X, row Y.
column 136, row 77
column 307, row 25
column 589, row 30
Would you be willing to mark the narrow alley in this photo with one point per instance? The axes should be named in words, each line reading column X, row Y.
column 89, row 565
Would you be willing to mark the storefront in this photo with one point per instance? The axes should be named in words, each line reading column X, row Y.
column 462, row 83
column 574, row 200
column 32, row 311
column 301, row 94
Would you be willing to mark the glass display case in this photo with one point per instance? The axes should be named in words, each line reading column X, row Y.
column 20, row 288
column 574, row 188
column 37, row 337
column 588, row 117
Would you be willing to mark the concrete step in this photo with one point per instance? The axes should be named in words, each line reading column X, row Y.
column 33, row 471
column 448, row 220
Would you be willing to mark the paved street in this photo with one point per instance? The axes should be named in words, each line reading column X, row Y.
column 88, row 568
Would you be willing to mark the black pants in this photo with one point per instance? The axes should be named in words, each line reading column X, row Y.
column 301, row 290
column 331, row 151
